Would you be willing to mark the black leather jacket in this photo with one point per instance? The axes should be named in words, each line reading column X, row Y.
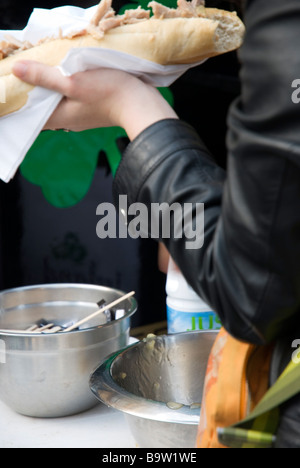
column 248, row 269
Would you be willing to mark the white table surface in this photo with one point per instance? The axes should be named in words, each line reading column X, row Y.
column 100, row 427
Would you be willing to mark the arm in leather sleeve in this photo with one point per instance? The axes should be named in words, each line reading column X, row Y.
column 248, row 268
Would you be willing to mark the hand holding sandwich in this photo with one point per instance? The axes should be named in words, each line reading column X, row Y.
column 98, row 98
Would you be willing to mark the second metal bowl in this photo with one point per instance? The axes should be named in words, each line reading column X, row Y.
column 157, row 383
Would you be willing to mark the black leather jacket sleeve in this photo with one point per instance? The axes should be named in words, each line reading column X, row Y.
column 248, row 268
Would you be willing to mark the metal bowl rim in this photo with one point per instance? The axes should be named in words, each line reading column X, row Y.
column 62, row 286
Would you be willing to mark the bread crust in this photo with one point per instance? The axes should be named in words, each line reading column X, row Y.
column 166, row 41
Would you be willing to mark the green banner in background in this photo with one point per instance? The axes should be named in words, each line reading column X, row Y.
column 63, row 164
column 144, row 4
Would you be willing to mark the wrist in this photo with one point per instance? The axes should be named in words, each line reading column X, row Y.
column 141, row 106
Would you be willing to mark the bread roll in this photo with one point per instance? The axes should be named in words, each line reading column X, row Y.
column 166, row 41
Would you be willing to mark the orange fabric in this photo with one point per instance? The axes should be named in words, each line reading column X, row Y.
column 237, row 377
column 225, row 396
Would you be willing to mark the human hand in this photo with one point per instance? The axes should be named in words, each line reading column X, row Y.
column 98, row 98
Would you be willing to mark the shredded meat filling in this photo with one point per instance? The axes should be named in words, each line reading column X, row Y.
column 184, row 9
column 105, row 19
column 103, row 10
column 11, row 45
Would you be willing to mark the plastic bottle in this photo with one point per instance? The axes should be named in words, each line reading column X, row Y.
column 186, row 311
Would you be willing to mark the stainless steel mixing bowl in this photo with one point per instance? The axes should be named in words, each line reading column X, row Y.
column 48, row 375
column 157, row 383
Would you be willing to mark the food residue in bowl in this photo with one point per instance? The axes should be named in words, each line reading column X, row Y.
column 195, row 406
column 173, row 405
column 150, row 341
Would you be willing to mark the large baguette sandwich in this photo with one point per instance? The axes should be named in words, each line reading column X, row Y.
column 186, row 35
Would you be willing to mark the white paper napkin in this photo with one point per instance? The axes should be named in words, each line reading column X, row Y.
column 20, row 129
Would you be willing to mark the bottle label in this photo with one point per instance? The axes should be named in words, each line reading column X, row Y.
column 179, row 321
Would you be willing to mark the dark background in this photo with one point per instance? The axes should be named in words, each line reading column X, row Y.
column 43, row 244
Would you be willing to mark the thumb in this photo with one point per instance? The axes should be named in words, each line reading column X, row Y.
column 38, row 74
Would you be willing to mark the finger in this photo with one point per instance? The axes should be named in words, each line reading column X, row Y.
column 38, row 74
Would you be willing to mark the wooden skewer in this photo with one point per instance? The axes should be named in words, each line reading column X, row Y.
column 46, row 329
column 32, row 328
column 103, row 309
